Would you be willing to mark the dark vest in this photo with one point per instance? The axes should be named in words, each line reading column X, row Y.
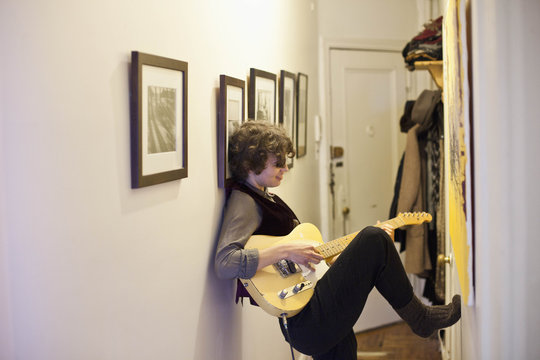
column 277, row 217
column 277, row 220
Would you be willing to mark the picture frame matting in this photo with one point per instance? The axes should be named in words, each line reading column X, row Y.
column 262, row 95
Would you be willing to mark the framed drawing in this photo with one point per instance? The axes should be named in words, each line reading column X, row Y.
column 287, row 99
column 458, row 130
column 301, row 114
column 262, row 95
column 158, row 119
column 231, row 115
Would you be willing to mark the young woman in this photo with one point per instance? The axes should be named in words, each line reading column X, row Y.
column 324, row 327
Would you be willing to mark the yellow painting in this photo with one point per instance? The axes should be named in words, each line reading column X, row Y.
column 457, row 119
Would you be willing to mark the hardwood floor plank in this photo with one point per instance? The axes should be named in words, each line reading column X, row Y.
column 396, row 342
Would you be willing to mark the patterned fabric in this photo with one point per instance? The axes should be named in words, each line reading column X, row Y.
column 426, row 46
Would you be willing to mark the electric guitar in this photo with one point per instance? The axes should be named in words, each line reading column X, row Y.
column 284, row 288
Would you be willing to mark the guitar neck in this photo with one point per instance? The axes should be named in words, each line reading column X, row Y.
column 335, row 247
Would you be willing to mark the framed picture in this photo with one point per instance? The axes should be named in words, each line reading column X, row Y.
column 262, row 95
column 287, row 111
column 231, row 115
column 158, row 119
column 301, row 113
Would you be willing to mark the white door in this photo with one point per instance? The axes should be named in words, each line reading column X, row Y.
column 368, row 93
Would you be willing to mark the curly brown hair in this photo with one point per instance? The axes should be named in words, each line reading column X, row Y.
column 252, row 143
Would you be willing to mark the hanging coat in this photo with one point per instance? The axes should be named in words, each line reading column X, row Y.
column 413, row 183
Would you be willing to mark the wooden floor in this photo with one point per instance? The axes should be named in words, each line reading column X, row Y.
column 396, row 342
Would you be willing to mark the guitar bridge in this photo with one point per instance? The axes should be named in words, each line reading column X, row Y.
column 295, row 289
column 285, row 268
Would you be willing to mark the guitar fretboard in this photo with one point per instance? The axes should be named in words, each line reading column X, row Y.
column 336, row 246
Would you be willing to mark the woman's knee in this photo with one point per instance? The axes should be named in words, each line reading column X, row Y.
column 375, row 234
column 371, row 238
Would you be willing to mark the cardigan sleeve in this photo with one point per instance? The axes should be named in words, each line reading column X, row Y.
column 241, row 218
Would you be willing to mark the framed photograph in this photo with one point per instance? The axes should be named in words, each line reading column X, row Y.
column 301, row 113
column 287, row 110
column 262, row 95
column 158, row 119
column 231, row 115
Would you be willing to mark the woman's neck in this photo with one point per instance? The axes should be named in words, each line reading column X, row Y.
column 251, row 181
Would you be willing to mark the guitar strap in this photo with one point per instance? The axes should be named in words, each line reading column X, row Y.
column 242, row 293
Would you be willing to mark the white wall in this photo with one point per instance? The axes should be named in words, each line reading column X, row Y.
column 368, row 19
column 96, row 270
column 5, row 318
column 505, row 321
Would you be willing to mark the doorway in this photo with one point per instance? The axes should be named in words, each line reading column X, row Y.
column 367, row 95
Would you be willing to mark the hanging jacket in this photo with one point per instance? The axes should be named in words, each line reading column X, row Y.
column 412, row 192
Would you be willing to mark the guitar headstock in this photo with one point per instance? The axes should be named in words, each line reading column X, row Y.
column 414, row 218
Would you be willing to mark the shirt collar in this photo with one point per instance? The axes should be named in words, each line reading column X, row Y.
column 262, row 193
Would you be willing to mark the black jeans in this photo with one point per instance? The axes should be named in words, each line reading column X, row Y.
column 324, row 328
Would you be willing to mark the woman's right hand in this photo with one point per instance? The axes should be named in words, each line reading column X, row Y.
column 301, row 254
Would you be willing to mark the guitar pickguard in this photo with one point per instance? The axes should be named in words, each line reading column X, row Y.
column 314, row 275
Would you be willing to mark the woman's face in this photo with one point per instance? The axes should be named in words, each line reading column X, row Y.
column 271, row 176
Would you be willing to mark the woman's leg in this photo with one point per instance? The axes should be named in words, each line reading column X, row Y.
column 339, row 297
column 346, row 349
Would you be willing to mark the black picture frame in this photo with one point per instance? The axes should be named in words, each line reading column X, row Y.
column 159, row 116
column 231, row 114
column 262, row 95
column 287, row 106
column 301, row 114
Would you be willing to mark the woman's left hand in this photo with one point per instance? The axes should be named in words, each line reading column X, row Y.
column 387, row 228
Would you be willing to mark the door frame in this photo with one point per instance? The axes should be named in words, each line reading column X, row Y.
column 326, row 46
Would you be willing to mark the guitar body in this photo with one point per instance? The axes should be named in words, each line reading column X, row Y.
column 268, row 283
column 283, row 289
